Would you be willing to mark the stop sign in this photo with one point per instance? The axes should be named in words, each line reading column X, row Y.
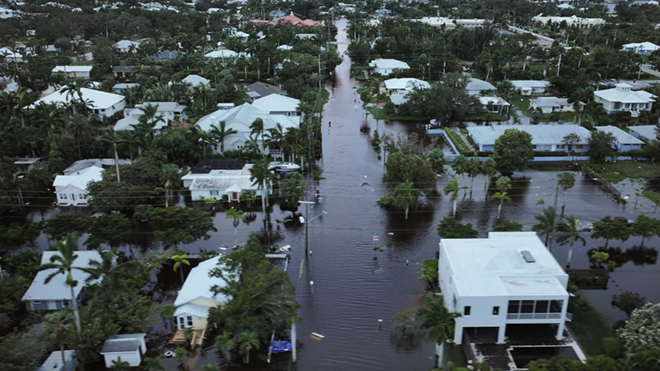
column 375, row 238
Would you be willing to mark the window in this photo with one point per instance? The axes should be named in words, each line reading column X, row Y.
column 556, row 305
column 73, row 197
column 215, row 193
column 182, row 322
column 63, row 196
column 527, row 306
column 65, row 303
column 514, row 306
column 496, row 311
column 466, row 310
column 541, row 306
column 82, row 196
column 190, row 321
column 36, row 302
column 579, row 146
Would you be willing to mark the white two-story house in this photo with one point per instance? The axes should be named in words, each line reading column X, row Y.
column 623, row 98
column 509, row 278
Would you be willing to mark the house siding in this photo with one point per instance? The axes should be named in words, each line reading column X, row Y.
column 133, row 358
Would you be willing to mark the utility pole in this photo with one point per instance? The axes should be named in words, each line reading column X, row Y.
column 559, row 65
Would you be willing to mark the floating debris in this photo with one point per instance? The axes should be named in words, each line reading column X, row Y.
column 318, row 336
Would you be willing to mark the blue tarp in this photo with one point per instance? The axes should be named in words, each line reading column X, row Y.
column 279, row 346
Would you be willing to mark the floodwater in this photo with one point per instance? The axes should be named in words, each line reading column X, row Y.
column 355, row 286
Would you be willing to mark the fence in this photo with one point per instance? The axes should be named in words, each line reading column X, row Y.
column 604, row 184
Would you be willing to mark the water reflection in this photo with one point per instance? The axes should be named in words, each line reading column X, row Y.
column 638, row 255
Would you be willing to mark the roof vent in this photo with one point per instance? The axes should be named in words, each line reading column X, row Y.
column 528, row 256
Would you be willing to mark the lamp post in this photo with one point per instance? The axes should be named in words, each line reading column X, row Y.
column 307, row 221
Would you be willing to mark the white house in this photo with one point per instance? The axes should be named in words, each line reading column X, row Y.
column 476, row 86
column 405, row 85
column 73, row 72
column 509, row 278
column 495, row 105
column 277, row 104
column 645, row 48
column 216, row 183
column 196, row 298
column 54, row 361
column 647, row 133
column 196, row 81
column 102, row 103
column 623, row 141
column 56, row 294
column 530, row 87
column 240, row 119
column 126, row 46
column 623, row 98
column 25, row 164
column 168, row 110
column 226, row 54
column 551, row 104
column 71, row 190
column 544, row 137
column 385, row 67
column 449, row 23
column 128, row 347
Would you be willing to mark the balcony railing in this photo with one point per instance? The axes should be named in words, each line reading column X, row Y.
column 533, row 316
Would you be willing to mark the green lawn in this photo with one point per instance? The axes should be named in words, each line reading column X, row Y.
column 82, row 63
column 383, row 116
column 615, row 172
column 588, row 325
column 458, row 142
column 653, row 196
column 485, row 117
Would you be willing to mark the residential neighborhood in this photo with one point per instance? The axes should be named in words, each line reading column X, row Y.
column 418, row 185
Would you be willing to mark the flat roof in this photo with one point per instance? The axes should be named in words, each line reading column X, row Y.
column 495, row 266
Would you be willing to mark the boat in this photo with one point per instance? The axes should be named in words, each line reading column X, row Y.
column 284, row 167
column 279, row 346
column 317, row 335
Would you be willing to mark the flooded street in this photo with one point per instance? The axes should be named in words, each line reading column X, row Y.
column 355, row 286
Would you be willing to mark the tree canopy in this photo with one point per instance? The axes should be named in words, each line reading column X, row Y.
column 513, row 151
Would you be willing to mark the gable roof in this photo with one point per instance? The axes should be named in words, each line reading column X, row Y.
column 57, row 289
column 549, row 102
column 264, row 89
column 519, row 84
column 407, row 83
column 541, row 134
column 65, row 69
column 54, row 360
column 479, row 85
column 206, row 165
column 389, row 64
column 195, row 80
column 198, row 284
column 619, row 135
column 125, row 44
column 647, row 131
column 245, row 115
column 641, row 46
column 100, row 99
column 277, row 103
column 80, row 178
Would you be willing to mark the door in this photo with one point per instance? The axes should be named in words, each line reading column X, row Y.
column 182, row 323
column 234, row 196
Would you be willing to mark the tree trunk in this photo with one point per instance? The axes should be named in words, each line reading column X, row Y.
column 570, row 256
column 499, row 209
column 439, row 351
column 76, row 315
column 471, row 183
column 407, row 207
column 63, row 358
column 79, row 153
column 117, row 163
column 454, row 208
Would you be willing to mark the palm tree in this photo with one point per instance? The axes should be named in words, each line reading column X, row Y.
column 153, row 364
column 500, row 197
column 179, row 260
column 274, row 137
column 224, row 343
column 70, row 91
column 49, row 117
column 546, row 223
column 247, row 340
column 120, row 365
column 437, row 320
column 57, row 327
column 257, row 127
column 261, row 175
column 220, row 132
column 79, row 127
column 171, row 177
column 571, row 232
column 472, row 169
column 63, row 263
column 114, row 274
column 236, row 215
column 489, row 169
column 565, row 179
column 453, row 188
column 111, row 136
column 405, row 196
